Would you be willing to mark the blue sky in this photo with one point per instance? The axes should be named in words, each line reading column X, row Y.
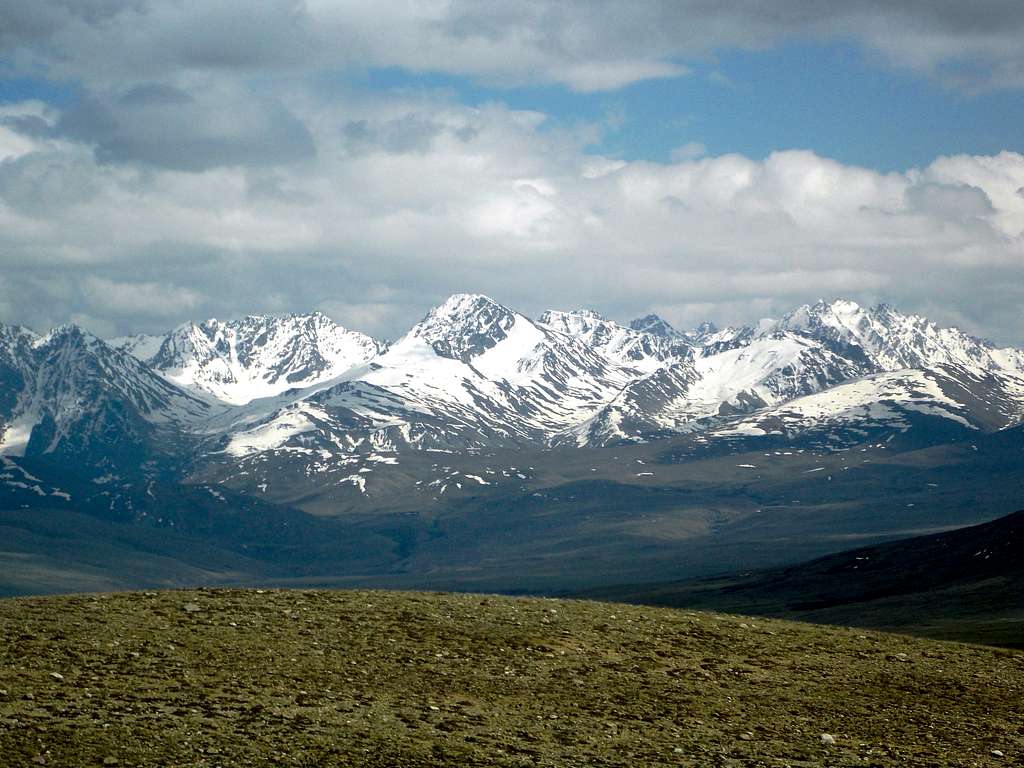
column 832, row 98
column 166, row 161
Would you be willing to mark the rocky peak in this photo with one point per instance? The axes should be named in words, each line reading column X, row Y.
column 465, row 325
column 655, row 326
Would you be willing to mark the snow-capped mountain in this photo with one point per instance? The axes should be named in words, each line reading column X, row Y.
column 892, row 340
column 766, row 371
column 69, row 394
column 643, row 350
column 471, row 373
column 301, row 393
column 258, row 356
column 967, row 398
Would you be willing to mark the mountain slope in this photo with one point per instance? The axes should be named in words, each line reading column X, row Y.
column 965, row 584
column 256, row 357
column 75, row 398
column 969, row 397
column 893, row 341
column 646, row 350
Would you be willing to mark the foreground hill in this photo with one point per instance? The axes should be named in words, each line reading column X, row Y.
column 966, row 584
column 230, row 677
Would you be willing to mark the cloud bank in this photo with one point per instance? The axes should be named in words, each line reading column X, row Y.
column 210, row 164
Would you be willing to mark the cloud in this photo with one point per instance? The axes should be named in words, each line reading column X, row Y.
column 160, row 125
column 211, row 162
column 436, row 197
column 598, row 45
column 109, row 297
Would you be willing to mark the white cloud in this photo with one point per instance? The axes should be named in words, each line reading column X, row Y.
column 598, row 45
column 439, row 197
column 110, row 297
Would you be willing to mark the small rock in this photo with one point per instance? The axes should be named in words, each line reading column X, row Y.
column 57, row 676
column 897, row 657
column 996, row 753
column 678, row 750
column 828, row 739
column 192, row 608
column 110, row 760
column 746, row 736
column 434, row 709
column 39, row 759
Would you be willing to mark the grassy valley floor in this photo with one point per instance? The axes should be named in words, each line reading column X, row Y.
column 308, row 678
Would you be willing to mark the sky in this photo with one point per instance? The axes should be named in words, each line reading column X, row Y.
column 178, row 160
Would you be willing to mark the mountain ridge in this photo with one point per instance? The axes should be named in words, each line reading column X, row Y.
column 292, row 398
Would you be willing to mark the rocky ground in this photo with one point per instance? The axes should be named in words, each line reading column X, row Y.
column 307, row 678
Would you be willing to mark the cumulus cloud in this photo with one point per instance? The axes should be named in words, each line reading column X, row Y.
column 436, row 197
column 208, row 162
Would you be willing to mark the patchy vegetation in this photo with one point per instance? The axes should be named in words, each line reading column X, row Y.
column 307, row 678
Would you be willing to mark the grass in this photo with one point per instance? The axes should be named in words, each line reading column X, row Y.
column 316, row 678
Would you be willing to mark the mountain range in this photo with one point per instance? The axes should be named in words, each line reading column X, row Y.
column 474, row 401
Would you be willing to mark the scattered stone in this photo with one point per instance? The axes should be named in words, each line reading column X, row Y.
column 192, row 608
column 39, row 759
column 828, row 739
column 110, row 760
column 898, row 657
column 678, row 750
column 434, row 709
column 57, row 676
column 996, row 753
column 747, row 736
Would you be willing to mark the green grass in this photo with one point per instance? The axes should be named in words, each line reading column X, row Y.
column 309, row 678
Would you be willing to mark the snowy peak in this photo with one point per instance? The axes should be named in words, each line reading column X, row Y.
column 892, row 340
column 703, row 331
column 641, row 350
column 257, row 356
column 655, row 326
column 465, row 326
column 576, row 322
column 74, row 395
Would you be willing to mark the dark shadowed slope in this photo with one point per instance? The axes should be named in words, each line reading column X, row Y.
column 965, row 584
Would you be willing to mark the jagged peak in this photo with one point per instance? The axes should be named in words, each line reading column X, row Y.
column 13, row 332
column 655, row 325
column 66, row 333
column 465, row 308
column 464, row 304
column 465, row 325
column 586, row 314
